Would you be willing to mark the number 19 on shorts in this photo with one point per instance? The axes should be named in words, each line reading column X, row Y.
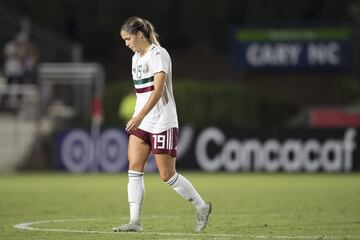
column 166, row 140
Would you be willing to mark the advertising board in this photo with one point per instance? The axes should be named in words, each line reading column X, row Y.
column 215, row 149
column 295, row 49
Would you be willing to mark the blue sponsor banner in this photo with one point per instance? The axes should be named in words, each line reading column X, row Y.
column 309, row 49
column 220, row 149
column 84, row 150
column 273, row 150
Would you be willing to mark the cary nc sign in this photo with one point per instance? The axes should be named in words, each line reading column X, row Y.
column 292, row 49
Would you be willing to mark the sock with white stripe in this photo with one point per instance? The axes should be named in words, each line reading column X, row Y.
column 136, row 190
column 184, row 187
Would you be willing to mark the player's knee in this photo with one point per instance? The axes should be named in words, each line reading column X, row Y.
column 166, row 175
column 136, row 167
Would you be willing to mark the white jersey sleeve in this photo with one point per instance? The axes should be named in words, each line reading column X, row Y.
column 161, row 62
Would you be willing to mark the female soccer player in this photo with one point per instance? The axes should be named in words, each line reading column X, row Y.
column 154, row 125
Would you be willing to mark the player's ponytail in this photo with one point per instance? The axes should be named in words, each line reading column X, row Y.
column 153, row 36
column 133, row 25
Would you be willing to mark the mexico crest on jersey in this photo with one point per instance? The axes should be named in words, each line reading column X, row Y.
column 145, row 68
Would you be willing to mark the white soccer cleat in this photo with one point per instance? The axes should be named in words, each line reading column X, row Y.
column 202, row 217
column 129, row 227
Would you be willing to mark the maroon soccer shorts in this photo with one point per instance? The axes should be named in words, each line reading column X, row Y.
column 160, row 143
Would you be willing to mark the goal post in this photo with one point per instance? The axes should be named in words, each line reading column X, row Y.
column 71, row 86
column 74, row 91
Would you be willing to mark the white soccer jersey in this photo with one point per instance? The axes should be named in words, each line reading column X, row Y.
column 163, row 115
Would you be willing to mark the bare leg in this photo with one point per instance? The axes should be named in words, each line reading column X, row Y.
column 166, row 166
column 138, row 153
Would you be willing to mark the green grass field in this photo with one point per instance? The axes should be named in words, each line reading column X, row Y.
column 246, row 206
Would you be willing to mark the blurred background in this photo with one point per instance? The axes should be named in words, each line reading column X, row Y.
column 260, row 85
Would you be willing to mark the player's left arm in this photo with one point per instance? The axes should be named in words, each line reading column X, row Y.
column 159, row 82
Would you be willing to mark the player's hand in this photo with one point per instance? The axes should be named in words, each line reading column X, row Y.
column 133, row 123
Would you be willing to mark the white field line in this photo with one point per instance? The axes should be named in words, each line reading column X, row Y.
column 28, row 226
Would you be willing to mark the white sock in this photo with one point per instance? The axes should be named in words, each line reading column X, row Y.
column 184, row 187
column 136, row 190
